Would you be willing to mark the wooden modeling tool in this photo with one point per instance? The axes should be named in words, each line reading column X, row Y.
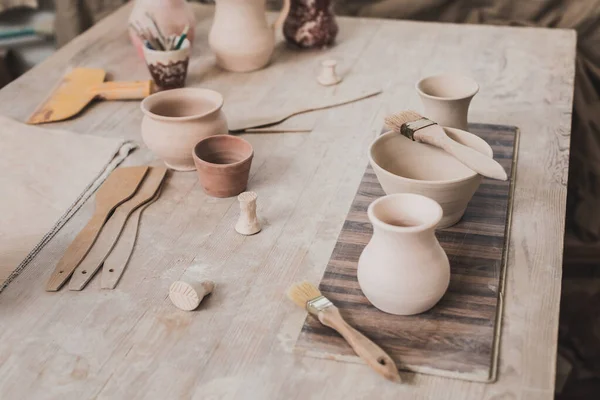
column 263, row 121
column 113, row 228
column 79, row 87
column 416, row 127
column 307, row 296
column 187, row 294
column 117, row 260
column 248, row 223
column 117, row 188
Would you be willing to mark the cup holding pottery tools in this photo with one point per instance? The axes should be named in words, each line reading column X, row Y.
column 175, row 120
column 168, row 67
column 446, row 98
column 223, row 164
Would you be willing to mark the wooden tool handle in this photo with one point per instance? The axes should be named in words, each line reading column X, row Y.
column 475, row 160
column 76, row 251
column 123, row 90
column 373, row 355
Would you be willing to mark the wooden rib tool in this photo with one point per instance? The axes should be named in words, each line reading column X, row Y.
column 113, row 228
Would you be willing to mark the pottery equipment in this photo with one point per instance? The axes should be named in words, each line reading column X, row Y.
column 307, row 296
column 310, row 23
column 403, row 270
column 248, row 223
column 271, row 117
column 175, row 120
column 223, row 164
column 119, row 187
column 446, row 98
column 79, row 87
column 457, row 338
column 116, row 262
column 328, row 76
column 168, row 68
column 171, row 16
column 112, row 229
column 416, row 127
column 240, row 36
column 187, row 294
column 405, row 166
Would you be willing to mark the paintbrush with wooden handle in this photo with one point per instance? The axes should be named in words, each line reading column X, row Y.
column 416, row 127
column 307, row 296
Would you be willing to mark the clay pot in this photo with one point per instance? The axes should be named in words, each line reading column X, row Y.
column 310, row 23
column 175, row 120
column 240, row 36
column 406, row 166
column 168, row 68
column 404, row 270
column 171, row 16
column 223, row 165
column 446, row 99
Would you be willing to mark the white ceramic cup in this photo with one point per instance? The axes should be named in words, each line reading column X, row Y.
column 446, row 98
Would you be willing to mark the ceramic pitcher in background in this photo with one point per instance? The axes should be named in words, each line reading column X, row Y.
column 310, row 23
column 171, row 16
column 240, row 36
column 404, row 270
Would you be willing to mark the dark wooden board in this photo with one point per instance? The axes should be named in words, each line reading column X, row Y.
column 457, row 338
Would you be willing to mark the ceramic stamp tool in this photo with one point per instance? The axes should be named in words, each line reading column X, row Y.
column 418, row 128
column 79, row 87
column 118, row 188
column 187, row 294
column 248, row 223
column 328, row 76
column 117, row 260
column 113, row 228
column 307, row 296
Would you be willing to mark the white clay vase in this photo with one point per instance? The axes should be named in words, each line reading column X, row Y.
column 403, row 270
column 446, row 99
column 240, row 36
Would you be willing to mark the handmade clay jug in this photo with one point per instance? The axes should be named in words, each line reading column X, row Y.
column 240, row 36
column 310, row 23
column 404, row 270
column 171, row 16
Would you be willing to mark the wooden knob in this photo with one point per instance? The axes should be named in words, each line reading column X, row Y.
column 187, row 295
column 328, row 76
column 248, row 223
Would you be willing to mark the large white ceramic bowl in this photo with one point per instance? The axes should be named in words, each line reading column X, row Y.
column 405, row 166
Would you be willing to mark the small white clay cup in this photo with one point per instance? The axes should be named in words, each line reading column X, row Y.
column 175, row 120
column 403, row 270
column 446, row 99
column 168, row 68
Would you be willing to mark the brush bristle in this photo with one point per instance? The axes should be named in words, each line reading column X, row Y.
column 302, row 292
column 395, row 121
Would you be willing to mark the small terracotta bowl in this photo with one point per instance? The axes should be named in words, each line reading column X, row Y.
column 406, row 166
column 223, row 164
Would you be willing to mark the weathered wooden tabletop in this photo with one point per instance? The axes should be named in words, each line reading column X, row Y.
column 132, row 343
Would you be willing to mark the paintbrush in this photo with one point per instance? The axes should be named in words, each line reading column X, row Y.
column 307, row 296
column 161, row 38
column 416, row 127
column 182, row 37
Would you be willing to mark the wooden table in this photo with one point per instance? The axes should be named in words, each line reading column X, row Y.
column 132, row 343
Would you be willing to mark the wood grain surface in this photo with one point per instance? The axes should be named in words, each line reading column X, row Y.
column 131, row 343
column 457, row 338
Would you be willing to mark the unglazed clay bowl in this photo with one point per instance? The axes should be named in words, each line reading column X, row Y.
column 405, row 166
column 175, row 120
column 223, row 164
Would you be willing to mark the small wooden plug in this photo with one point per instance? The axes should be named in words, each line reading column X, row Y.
column 328, row 76
column 248, row 223
column 187, row 295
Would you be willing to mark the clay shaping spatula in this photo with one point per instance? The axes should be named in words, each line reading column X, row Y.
column 117, row 188
column 79, row 87
column 119, row 256
column 113, row 228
